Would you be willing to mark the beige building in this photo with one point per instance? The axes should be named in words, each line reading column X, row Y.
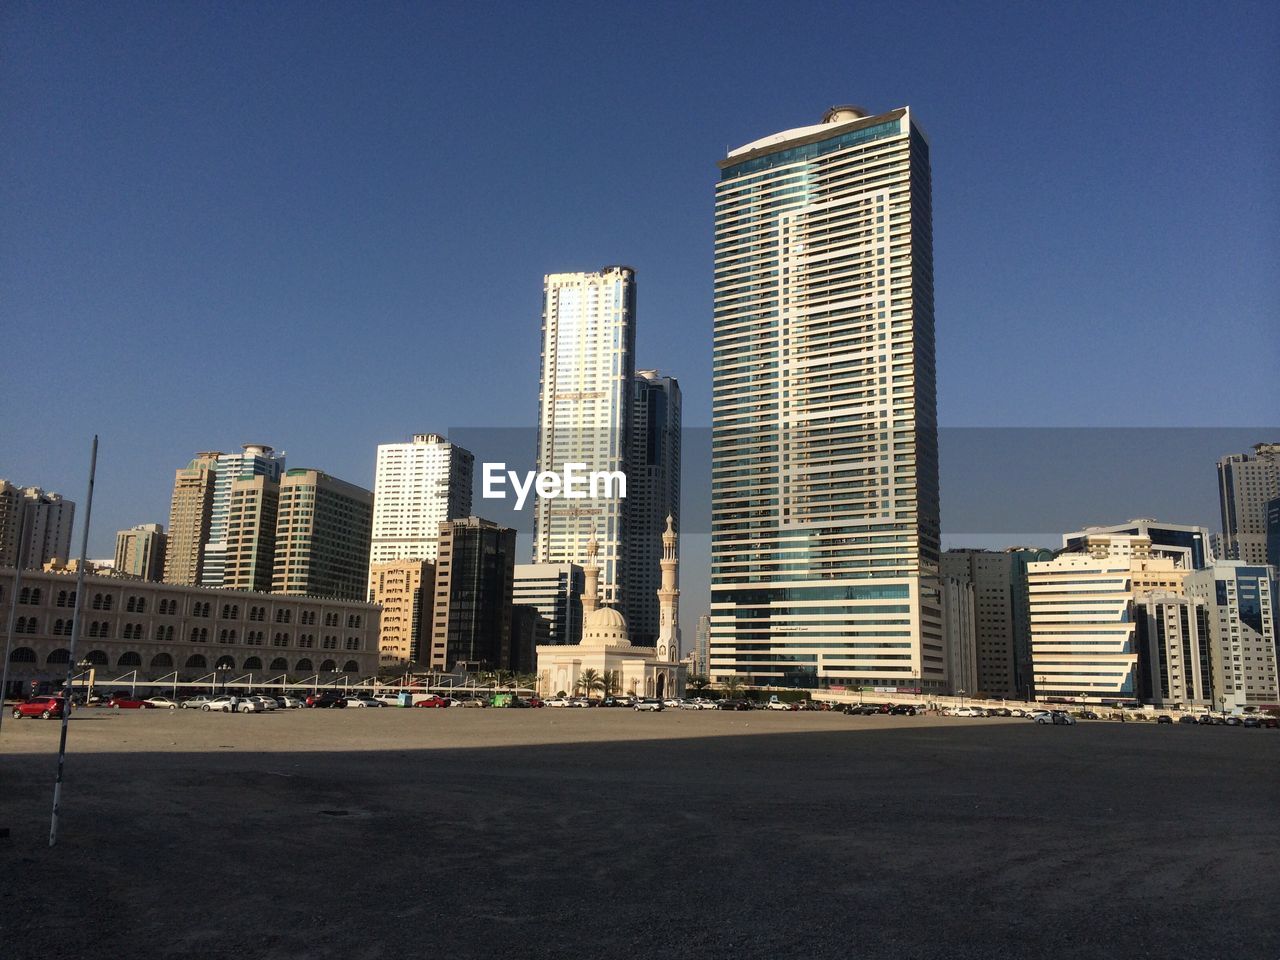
column 1245, row 485
column 252, row 514
column 34, row 524
column 322, row 536
column 162, row 629
column 190, row 512
column 403, row 588
column 140, row 552
column 606, row 645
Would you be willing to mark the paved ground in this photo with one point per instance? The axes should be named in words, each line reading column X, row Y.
column 589, row 833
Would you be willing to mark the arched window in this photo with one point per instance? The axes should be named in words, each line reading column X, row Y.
column 33, row 624
column 222, row 636
column 225, row 662
column 204, row 634
column 22, row 655
column 20, row 625
column 195, row 634
column 231, row 637
column 61, row 601
column 130, row 604
column 351, row 667
column 129, row 659
column 24, row 595
column 306, row 640
column 279, row 663
column 328, row 667
column 288, row 616
column 142, row 604
column 195, row 660
column 304, row 664
column 97, row 658
column 161, row 661
column 253, row 663
column 61, row 655
column 107, row 602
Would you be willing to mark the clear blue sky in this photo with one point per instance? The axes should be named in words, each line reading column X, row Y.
column 324, row 226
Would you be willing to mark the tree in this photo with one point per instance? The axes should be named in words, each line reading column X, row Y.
column 590, row 681
column 612, row 682
column 698, row 683
column 732, row 686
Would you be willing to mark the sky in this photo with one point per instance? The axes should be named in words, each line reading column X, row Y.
column 325, row 227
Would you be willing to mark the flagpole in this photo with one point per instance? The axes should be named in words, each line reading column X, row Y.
column 75, row 636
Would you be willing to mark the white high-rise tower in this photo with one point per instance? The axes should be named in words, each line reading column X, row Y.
column 417, row 486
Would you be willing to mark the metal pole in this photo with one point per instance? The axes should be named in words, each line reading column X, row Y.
column 75, row 636
column 13, row 600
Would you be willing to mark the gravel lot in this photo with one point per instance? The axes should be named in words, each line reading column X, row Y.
column 584, row 833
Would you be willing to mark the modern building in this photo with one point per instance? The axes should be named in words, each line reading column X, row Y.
column 1020, row 557
column 35, row 526
column 140, row 552
column 322, row 536
column 702, row 647
column 1188, row 544
column 959, row 631
column 403, row 589
column 1240, row 600
column 555, row 591
column 255, row 459
column 471, row 611
column 1174, row 663
column 417, row 486
column 529, row 630
column 653, row 494
column 182, row 632
column 190, row 517
column 250, row 540
column 825, row 512
column 606, row 651
column 993, row 639
column 1273, row 532
column 585, row 395
column 1245, row 485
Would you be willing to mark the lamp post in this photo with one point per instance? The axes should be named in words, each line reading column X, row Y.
column 961, row 693
column 220, row 674
column 86, row 664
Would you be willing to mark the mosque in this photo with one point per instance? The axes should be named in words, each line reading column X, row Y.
column 606, row 647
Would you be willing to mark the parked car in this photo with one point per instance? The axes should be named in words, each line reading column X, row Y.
column 161, row 703
column 776, row 704
column 388, row 699
column 267, row 703
column 227, row 704
column 1057, row 718
column 967, row 712
column 708, row 704
column 126, row 702
column 1270, row 723
column 1187, row 718
column 46, row 708
column 1164, row 718
column 648, row 704
column 904, row 710
column 1089, row 715
column 557, row 701
column 735, row 705
column 863, row 709
column 287, row 702
column 194, row 703
column 1037, row 714
column 673, row 702
column 1253, row 722
column 329, row 699
column 1233, row 721
column 432, row 702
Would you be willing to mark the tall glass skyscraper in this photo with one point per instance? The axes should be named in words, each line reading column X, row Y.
column 825, row 527
column 584, row 414
column 257, row 460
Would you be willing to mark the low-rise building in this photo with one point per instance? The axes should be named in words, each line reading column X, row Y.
column 140, row 552
column 403, row 589
column 1240, row 599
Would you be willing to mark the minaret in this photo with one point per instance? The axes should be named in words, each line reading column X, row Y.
column 668, row 598
column 591, row 577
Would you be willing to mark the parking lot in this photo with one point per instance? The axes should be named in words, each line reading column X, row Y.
column 564, row 833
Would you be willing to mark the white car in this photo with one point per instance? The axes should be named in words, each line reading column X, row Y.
column 776, row 704
column 195, row 703
column 353, row 700
column 673, row 702
column 267, row 703
column 230, row 704
column 690, row 705
column 161, row 703
column 708, row 705
column 968, row 712
column 557, row 702
column 1036, row 714
column 390, row 699
column 289, row 703
column 648, row 704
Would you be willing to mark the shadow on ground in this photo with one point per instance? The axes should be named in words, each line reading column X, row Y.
column 944, row 841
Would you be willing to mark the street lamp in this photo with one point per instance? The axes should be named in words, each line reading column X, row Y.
column 961, row 693
column 221, row 673
column 86, row 664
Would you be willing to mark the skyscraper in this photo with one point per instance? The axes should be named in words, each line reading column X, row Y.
column 825, row 526
column 1245, row 485
column 322, row 537
column 584, row 414
column 653, row 494
column 190, row 513
column 41, row 520
column 1241, row 631
column 417, row 485
column 1188, row 544
column 555, row 591
column 471, row 620
column 255, row 460
column 140, row 551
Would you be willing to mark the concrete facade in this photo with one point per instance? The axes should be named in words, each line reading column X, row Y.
column 322, row 536
column 190, row 515
column 35, row 525
column 1240, row 599
column 417, row 486
column 1189, row 544
column 959, row 631
column 555, row 591
column 1245, row 485
column 403, row 588
column 255, row 459
column 140, row 552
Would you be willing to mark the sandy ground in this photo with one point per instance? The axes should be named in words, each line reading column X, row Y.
column 581, row 833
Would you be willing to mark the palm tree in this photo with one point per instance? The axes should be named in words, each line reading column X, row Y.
column 612, row 682
column 589, row 681
column 698, row 683
column 732, row 687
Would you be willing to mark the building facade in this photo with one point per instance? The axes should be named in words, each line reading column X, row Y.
column 1240, row 600
column 555, row 591
column 35, row 526
column 471, row 611
column 254, row 460
column 190, row 516
column 825, row 511
column 322, row 536
column 250, row 542
column 403, row 589
column 1245, row 485
column 417, row 486
column 140, row 552
column 702, row 647
column 1188, row 544
column 993, row 639
column 960, row 633
column 585, row 394
column 653, row 493
column 163, row 629
column 1174, row 655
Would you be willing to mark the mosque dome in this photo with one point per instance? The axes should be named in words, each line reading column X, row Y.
column 605, row 627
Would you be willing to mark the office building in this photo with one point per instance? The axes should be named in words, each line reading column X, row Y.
column 182, row 632
column 555, row 591
column 254, row 460
column 959, row 632
column 529, row 630
column 190, row 516
column 1172, row 635
column 471, row 611
column 1189, row 545
column 403, row 588
column 1019, row 558
column 417, row 486
column 1273, row 532
column 322, row 536
column 140, row 552
column 1240, row 599
column 825, row 525
column 585, row 395
column 994, row 647
column 1245, row 485
column 35, row 526
column 653, row 494
column 702, row 647
column 250, row 539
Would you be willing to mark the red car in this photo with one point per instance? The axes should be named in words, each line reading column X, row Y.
column 43, row 707
column 432, row 701
column 127, row 703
